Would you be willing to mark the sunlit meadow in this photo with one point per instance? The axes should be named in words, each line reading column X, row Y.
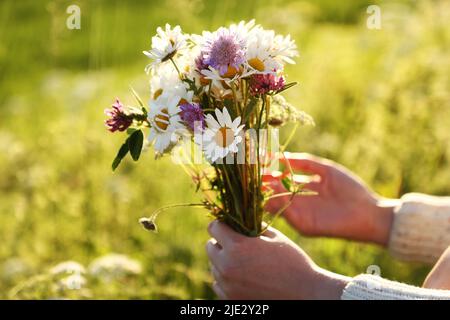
column 380, row 100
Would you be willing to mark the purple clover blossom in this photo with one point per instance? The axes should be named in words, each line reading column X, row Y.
column 223, row 50
column 265, row 83
column 118, row 119
column 192, row 115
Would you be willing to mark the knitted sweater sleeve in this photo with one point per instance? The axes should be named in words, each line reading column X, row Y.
column 421, row 228
column 420, row 232
column 370, row 287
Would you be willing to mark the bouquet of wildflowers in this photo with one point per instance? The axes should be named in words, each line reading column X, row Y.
column 215, row 106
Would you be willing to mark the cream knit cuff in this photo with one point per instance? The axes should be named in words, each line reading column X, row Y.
column 421, row 228
column 370, row 287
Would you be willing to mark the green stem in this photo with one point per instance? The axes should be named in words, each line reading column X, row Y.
column 176, row 67
column 222, row 195
column 155, row 214
column 231, row 190
column 278, row 195
column 236, row 104
column 291, row 136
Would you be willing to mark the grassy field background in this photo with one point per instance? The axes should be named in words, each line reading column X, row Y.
column 380, row 99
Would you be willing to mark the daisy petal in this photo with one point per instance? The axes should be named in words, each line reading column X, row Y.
column 239, row 129
column 227, row 118
column 236, row 123
column 151, row 135
column 164, row 142
column 212, row 123
column 219, row 116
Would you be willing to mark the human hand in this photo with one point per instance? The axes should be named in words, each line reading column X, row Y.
column 439, row 276
column 344, row 206
column 266, row 267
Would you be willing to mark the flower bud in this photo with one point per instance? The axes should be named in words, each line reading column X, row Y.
column 148, row 224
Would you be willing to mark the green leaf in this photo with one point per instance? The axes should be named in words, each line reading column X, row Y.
column 135, row 142
column 229, row 104
column 287, row 183
column 130, row 131
column 120, row 155
column 136, row 96
column 205, row 101
column 231, row 107
column 287, row 86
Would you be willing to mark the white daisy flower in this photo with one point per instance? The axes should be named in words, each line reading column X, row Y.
column 165, row 45
column 166, row 81
column 191, row 68
column 259, row 56
column 243, row 28
column 220, row 86
column 267, row 52
column 219, row 92
column 214, row 75
column 165, row 78
column 221, row 136
column 165, row 122
column 183, row 93
column 285, row 48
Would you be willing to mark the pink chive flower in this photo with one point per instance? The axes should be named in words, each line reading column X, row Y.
column 192, row 115
column 118, row 118
column 265, row 83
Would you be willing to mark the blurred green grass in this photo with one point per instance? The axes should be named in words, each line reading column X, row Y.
column 380, row 100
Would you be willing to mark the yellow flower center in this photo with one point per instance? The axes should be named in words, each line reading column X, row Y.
column 157, row 94
column 162, row 119
column 224, row 137
column 182, row 101
column 204, row 81
column 256, row 64
column 231, row 72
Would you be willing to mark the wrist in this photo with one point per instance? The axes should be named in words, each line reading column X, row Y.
column 329, row 285
column 382, row 215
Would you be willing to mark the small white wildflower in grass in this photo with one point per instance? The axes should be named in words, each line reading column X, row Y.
column 68, row 267
column 72, row 282
column 114, row 266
